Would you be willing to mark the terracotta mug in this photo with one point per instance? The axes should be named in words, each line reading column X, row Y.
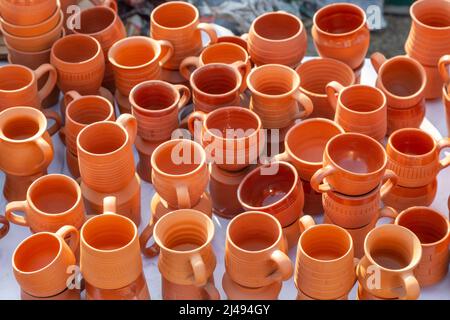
column 340, row 31
column 305, row 143
column 137, row 59
column 105, row 154
column 325, row 264
column 40, row 262
column 187, row 258
column 178, row 23
column 275, row 189
column 232, row 135
column 433, row 230
column 255, row 250
column 80, row 63
column 179, row 172
column 19, row 85
column 52, row 201
column 227, row 53
column 18, row 12
column 277, row 37
column 353, row 164
column 5, row 226
column 215, row 85
column 359, row 108
column 109, row 249
column 276, row 96
column 413, row 155
column 315, row 74
column 156, row 105
column 392, row 253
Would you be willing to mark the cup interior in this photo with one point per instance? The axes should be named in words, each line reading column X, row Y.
column 254, row 232
column 273, row 80
column 401, row 78
column 277, row 26
column 36, row 252
column 20, row 128
column 435, row 14
column 133, row 52
column 223, row 53
column 177, row 157
column 89, row 109
column 94, row 20
column 215, row 79
column 232, row 123
column 75, row 49
column 412, row 142
column 362, row 99
column 102, row 138
column 54, row 194
column 339, row 19
column 14, row 78
column 155, row 97
column 428, row 225
column 326, row 242
column 175, row 15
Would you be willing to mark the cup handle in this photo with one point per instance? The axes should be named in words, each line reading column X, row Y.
column 391, row 179
column 110, row 4
column 169, row 53
column 355, row 267
column 333, row 89
column 388, row 212
column 281, row 157
column 188, row 64
column 443, row 66
column 377, row 59
column 284, row 269
column 110, row 205
column 185, row 95
column 49, row 114
column 69, row 96
column 153, row 249
column 47, row 152
column 304, row 101
column 317, row 178
column 51, row 81
column 305, row 223
column 71, row 235
column 241, row 67
column 129, row 123
column 210, row 31
column 183, row 198
column 211, row 291
column 5, row 226
column 199, row 269
column 195, row 116
column 15, row 218
column 442, row 144
column 411, row 286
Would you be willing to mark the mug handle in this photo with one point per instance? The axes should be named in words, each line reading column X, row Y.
column 109, row 205
column 199, row 269
column 185, row 95
column 71, row 235
column 377, row 59
column 443, row 65
column 210, row 31
column 169, row 54
column 15, row 218
column 51, row 81
column 129, row 123
column 305, row 223
column 241, row 67
column 304, row 101
column 442, row 144
column 281, row 157
column 195, row 116
column 211, row 291
column 5, row 226
column 388, row 212
column 110, row 4
column 333, row 89
column 47, row 152
column 183, row 198
column 153, row 249
column 391, row 179
column 187, row 64
column 49, row 114
column 284, row 269
column 69, row 96
column 411, row 286
column 317, row 178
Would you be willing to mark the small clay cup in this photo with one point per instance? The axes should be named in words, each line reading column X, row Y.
column 18, row 12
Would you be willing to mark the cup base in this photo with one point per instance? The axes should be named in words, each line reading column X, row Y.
column 234, row 291
column 302, row 296
column 68, row 294
column 138, row 290
column 362, row 294
column 401, row 198
column 173, row 291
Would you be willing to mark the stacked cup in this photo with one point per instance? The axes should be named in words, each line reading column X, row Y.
column 29, row 37
column 352, row 185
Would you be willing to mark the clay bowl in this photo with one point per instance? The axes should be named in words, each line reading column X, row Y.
column 35, row 29
column 30, row 12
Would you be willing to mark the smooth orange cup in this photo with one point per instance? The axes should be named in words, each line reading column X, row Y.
column 325, row 263
column 52, row 201
column 18, row 12
column 353, row 164
column 179, row 172
column 137, row 59
column 156, row 105
column 305, row 143
column 275, row 189
column 19, row 85
column 178, row 23
column 433, row 230
column 255, row 251
column 40, row 262
column 340, row 31
column 232, row 136
column 413, row 155
column 392, row 253
column 276, row 97
column 315, row 74
column 359, row 108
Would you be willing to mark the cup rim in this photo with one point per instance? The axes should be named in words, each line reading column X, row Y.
column 281, row 13
column 417, row 20
column 213, row 66
column 73, row 36
column 297, row 81
column 371, row 112
column 171, row 3
column 58, row 11
column 124, row 41
column 224, row 44
column 28, row 111
column 416, row 131
column 98, row 8
column 89, row 96
column 149, row 83
column 31, row 72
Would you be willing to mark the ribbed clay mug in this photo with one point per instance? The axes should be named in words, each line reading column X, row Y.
column 413, row 155
column 179, row 172
column 178, row 23
column 186, row 257
column 353, row 164
column 255, row 250
column 392, row 253
column 40, row 262
column 325, row 264
column 52, row 201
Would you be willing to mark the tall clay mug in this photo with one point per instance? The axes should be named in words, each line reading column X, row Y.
column 392, row 253
column 19, row 85
column 255, row 250
column 178, row 23
column 41, row 263
column 186, row 257
column 276, row 97
column 52, row 202
column 353, row 164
